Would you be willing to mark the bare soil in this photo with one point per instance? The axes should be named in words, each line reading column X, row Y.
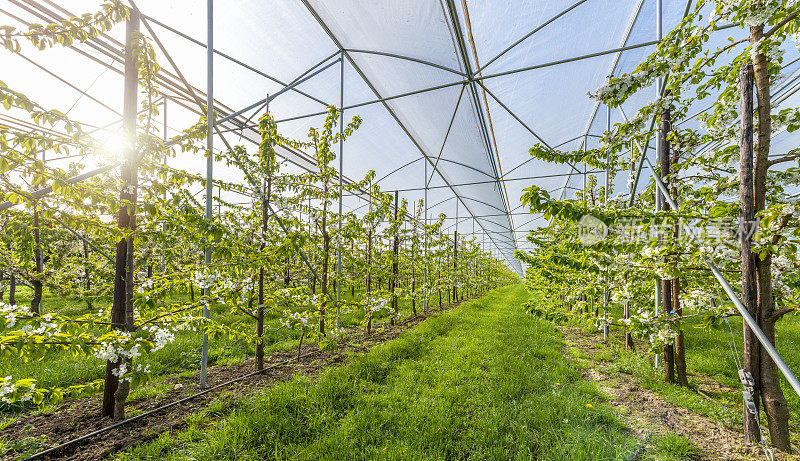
column 649, row 415
column 79, row 417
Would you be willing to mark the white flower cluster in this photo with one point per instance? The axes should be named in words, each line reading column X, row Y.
column 6, row 388
column 623, row 293
column 113, row 350
column 771, row 50
column 376, row 304
column 695, row 299
column 10, row 313
column 662, row 336
column 142, row 368
column 297, row 320
column 46, row 327
column 337, row 332
column 753, row 12
column 161, row 336
column 120, row 371
column 724, row 117
column 204, row 280
column 619, row 87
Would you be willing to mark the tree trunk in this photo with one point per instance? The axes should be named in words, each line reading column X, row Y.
column 438, row 276
column 12, row 283
column 752, row 349
column 36, row 302
column 680, row 342
column 628, row 337
column 668, row 174
column 114, row 401
column 326, row 240
column 771, row 394
column 87, row 275
column 260, row 308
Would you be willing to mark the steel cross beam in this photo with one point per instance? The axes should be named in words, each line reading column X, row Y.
column 483, row 117
column 229, row 58
column 614, row 65
column 375, row 91
column 112, row 51
column 446, row 134
column 525, row 37
column 406, row 58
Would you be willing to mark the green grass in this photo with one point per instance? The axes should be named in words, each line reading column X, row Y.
column 485, row 380
column 672, row 447
column 708, row 354
column 725, row 407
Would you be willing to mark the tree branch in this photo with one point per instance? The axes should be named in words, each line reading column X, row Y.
column 777, row 26
column 775, row 316
column 785, row 158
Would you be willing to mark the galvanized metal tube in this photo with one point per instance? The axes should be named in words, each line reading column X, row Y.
column 209, row 172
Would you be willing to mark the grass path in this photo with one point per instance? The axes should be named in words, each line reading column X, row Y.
column 484, row 380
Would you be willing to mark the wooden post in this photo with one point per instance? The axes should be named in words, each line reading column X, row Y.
column 455, row 264
column 260, row 307
column 368, row 287
column 395, row 261
column 666, row 285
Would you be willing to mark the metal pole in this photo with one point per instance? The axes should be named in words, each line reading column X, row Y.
column 765, row 342
column 456, row 214
column 605, row 200
column 608, row 156
column 209, row 171
column 341, row 166
column 163, row 226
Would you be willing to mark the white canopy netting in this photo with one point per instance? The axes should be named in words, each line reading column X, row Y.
column 452, row 93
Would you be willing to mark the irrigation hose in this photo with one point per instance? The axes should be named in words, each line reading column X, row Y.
column 82, row 438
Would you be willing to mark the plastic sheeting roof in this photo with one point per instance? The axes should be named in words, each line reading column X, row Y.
column 472, row 86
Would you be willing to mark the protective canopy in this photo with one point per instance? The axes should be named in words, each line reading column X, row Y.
column 458, row 88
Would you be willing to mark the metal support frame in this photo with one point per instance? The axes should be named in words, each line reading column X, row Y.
column 526, row 36
column 380, row 98
column 446, row 134
column 209, row 173
column 341, row 170
column 229, row 58
column 480, row 106
column 346, row 53
column 407, row 58
column 611, row 71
